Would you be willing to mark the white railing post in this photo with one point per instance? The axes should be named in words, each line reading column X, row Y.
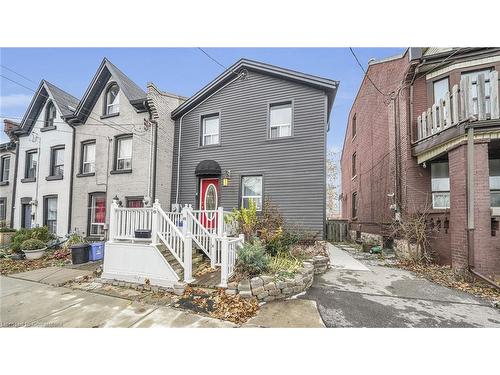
column 242, row 238
column 220, row 221
column 155, row 222
column 213, row 250
column 224, row 261
column 112, row 220
column 188, row 258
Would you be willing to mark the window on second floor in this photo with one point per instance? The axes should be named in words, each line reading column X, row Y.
column 354, row 172
column 88, row 158
column 30, row 164
column 353, row 126
column 440, row 184
column 280, row 120
column 494, row 165
column 440, row 88
column 57, row 161
column 5, row 169
column 112, row 103
column 210, row 130
column 123, row 161
column 50, row 115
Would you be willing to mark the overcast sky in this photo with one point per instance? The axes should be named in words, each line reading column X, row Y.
column 179, row 70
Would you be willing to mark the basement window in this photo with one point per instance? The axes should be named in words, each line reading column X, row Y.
column 440, row 182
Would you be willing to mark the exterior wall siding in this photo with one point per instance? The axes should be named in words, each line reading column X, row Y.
column 134, row 184
column 7, row 187
column 293, row 168
column 37, row 190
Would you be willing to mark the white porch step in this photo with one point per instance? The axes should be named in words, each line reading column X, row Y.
column 177, row 267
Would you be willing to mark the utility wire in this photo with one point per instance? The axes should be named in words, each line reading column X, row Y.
column 366, row 73
column 211, row 58
column 18, row 74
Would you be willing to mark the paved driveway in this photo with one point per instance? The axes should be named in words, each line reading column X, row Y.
column 357, row 294
column 28, row 303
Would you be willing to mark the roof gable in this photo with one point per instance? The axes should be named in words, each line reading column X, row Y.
column 135, row 95
column 327, row 85
column 65, row 103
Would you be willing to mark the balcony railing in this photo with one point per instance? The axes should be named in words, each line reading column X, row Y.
column 468, row 101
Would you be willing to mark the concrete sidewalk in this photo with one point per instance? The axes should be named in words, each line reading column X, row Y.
column 55, row 276
column 31, row 304
column 341, row 260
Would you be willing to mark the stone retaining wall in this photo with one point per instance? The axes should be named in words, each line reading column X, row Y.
column 268, row 288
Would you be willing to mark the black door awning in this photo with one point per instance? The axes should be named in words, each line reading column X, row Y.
column 207, row 168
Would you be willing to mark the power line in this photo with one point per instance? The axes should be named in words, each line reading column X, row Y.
column 366, row 73
column 211, row 58
column 18, row 74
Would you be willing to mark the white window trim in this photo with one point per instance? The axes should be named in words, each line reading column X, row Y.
column 92, row 216
column 253, row 197
column 116, row 102
column 443, row 193
column 204, row 134
column 284, row 103
column 2, row 162
column 85, row 154
column 118, row 158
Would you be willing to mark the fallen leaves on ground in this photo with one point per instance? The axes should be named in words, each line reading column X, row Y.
column 308, row 251
column 51, row 259
column 218, row 304
column 203, row 269
column 444, row 275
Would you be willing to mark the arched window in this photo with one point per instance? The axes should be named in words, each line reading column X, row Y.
column 112, row 104
column 50, row 114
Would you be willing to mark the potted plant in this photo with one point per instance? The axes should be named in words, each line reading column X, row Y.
column 33, row 248
column 79, row 248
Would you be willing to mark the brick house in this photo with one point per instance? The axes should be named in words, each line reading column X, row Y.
column 429, row 141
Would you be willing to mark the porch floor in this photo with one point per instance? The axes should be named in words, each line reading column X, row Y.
column 208, row 280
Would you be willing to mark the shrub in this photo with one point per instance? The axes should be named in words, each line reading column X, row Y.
column 284, row 265
column 252, row 259
column 74, row 239
column 32, row 244
column 40, row 233
column 270, row 221
column 246, row 219
column 6, row 230
column 281, row 242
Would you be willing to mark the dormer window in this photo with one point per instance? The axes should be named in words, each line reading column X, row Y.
column 112, row 105
column 50, row 115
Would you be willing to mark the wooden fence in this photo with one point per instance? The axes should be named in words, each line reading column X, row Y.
column 336, row 230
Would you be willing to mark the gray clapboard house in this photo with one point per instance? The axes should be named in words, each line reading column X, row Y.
column 255, row 132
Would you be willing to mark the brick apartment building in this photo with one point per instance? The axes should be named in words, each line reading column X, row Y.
column 429, row 141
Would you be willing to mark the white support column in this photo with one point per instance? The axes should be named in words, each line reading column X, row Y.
column 220, row 221
column 112, row 220
column 495, row 105
column 224, row 261
column 213, row 251
column 155, row 222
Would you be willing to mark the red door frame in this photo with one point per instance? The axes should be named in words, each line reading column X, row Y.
column 209, row 221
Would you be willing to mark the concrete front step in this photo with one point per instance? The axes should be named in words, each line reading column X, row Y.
column 197, row 259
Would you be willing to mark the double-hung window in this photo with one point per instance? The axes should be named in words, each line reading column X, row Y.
column 210, row 130
column 354, row 172
column 487, row 87
column 5, row 169
column 88, row 157
column 494, row 165
column 354, row 205
column 97, row 214
column 57, row 161
column 353, row 126
column 440, row 184
column 50, row 115
column 50, row 213
column 280, row 120
column 112, row 104
column 3, row 208
column 251, row 190
column 30, row 164
column 440, row 89
column 123, row 160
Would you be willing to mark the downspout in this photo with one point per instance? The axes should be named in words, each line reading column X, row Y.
column 180, row 134
column 155, row 156
column 14, row 186
column 470, row 197
column 153, row 153
column 70, row 206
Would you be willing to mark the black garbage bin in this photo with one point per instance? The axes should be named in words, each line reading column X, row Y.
column 80, row 253
column 142, row 233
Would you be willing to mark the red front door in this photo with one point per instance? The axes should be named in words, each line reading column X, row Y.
column 209, row 201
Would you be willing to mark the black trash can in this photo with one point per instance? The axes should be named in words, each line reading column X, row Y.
column 80, row 253
column 142, row 233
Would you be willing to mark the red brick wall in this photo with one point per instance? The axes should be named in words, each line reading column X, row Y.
column 373, row 144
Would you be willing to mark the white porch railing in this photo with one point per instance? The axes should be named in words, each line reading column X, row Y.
column 469, row 101
column 178, row 230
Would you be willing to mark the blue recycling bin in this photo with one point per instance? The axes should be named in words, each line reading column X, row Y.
column 96, row 251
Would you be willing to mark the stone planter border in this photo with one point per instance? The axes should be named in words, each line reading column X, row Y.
column 268, row 288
